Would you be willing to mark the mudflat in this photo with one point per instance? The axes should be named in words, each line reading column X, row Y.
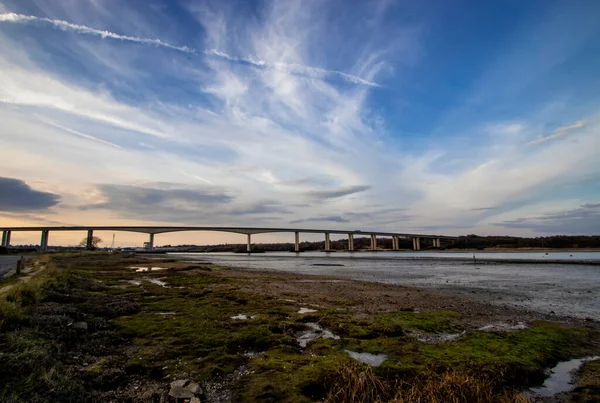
column 118, row 327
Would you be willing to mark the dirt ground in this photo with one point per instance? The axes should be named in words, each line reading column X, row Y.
column 370, row 297
column 98, row 330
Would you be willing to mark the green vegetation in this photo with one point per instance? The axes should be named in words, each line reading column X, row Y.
column 178, row 323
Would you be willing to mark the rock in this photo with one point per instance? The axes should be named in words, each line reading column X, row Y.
column 179, row 392
column 80, row 325
column 195, row 400
column 194, row 388
column 179, row 383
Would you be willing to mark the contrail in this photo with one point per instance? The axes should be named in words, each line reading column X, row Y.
column 290, row 68
column 82, row 29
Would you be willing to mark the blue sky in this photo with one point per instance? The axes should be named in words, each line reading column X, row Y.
column 448, row 117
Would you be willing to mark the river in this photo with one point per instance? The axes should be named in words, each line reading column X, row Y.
column 558, row 286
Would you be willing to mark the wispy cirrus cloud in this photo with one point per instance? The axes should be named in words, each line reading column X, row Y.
column 336, row 193
column 290, row 68
column 584, row 220
column 557, row 133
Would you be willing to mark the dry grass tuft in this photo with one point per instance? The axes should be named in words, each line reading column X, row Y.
column 356, row 383
column 453, row 387
column 359, row 384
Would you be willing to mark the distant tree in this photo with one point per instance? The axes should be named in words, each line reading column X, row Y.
column 95, row 242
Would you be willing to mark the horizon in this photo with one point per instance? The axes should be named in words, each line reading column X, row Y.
column 388, row 115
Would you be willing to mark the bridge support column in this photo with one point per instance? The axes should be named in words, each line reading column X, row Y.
column 249, row 244
column 416, row 244
column 89, row 244
column 327, row 242
column 44, row 240
column 394, row 243
column 373, row 242
column 151, row 242
column 297, row 243
column 351, row 242
column 438, row 244
column 7, row 240
column 4, row 235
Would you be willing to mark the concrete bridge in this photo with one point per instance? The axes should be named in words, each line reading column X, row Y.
column 249, row 231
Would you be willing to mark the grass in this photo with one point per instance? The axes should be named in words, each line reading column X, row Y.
column 185, row 330
column 356, row 383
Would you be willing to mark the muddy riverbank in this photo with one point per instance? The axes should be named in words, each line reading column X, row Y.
column 96, row 327
column 557, row 289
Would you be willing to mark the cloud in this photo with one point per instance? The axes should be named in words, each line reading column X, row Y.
column 289, row 68
column 338, row 219
column 169, row 202
column 557, row 133
column 17, row 196
column 335, row 193
column 131, row 198
column 260, row 207
column 584, row 220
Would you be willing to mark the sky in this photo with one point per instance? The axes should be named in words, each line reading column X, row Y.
column 441, row 117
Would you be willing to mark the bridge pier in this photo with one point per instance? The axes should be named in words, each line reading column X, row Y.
column 44, row 240
column 373, row 242
column 395, row 243
column 437, row 242
column 89, row 244
column 327, row 242
column 416, row 243
column 6, row 238
column 351, row 242
column 249, row 244
column 151, row 242
column 297, row 243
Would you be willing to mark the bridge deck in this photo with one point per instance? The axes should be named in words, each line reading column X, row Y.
column 238, row 230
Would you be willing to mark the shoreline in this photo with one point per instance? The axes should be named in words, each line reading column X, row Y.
column 293, row 255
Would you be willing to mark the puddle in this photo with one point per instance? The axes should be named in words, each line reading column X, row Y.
column 166, row 313
column 503, row 327
column 157, row 282
column 142, row 269
column 252, row 354
column 437, row 338
column 134, row 282
column 242, row 317
column 315, row 332
column 307, row 310
column 561, row 378
column 373, row 360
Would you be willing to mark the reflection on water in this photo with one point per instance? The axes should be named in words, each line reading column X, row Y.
column 561, row 377
column 141, row 269
column 560, row 288
column 374, row 360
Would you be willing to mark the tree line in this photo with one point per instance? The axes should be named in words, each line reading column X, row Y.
column 463, row 242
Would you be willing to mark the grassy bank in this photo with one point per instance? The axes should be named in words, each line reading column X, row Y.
column 89, row 328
